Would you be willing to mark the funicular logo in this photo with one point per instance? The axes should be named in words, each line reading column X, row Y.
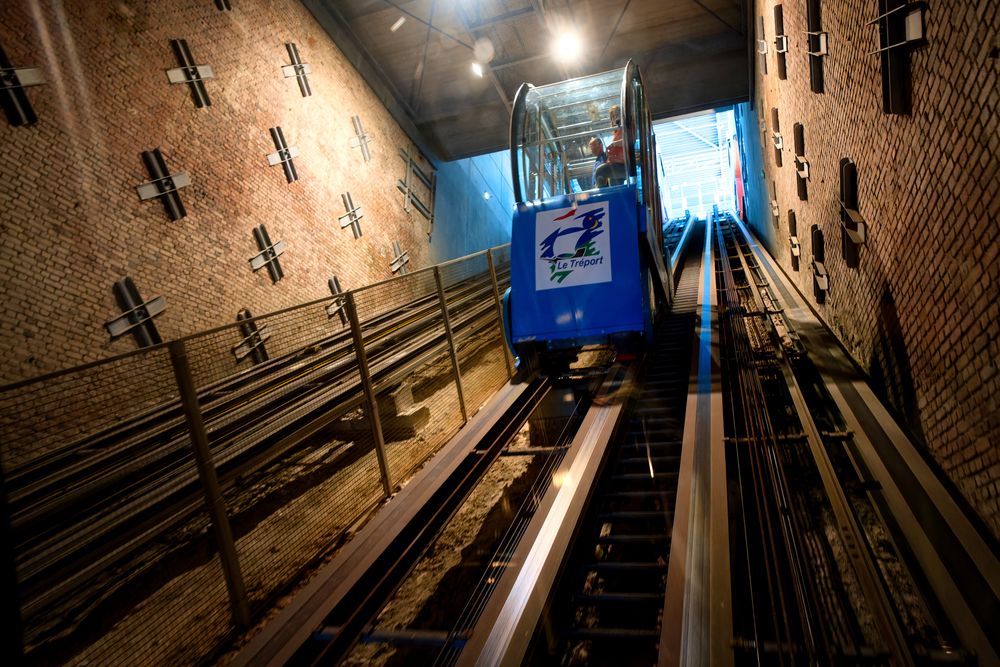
column 573, row 245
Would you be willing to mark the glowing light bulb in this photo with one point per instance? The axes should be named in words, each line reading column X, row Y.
column 477, row 69
column 567, row 47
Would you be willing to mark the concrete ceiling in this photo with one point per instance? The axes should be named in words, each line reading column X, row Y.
column 692, row 54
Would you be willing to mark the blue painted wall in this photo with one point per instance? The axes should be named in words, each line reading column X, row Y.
column 758, row 197
column 464, row 220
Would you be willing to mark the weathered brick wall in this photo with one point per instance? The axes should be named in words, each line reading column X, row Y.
column 921, row 313
column 70, row 217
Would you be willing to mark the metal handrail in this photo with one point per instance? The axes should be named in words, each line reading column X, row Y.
column 164, row 345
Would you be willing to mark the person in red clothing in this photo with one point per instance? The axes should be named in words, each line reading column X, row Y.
column 612, row 172
column 616, row 149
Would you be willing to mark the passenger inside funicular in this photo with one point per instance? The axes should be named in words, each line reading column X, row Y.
column 569, row 136
column 600, row 157
column 613, row 168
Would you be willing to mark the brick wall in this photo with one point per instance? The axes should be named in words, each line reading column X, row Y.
column 921, row 312
column 70, row 217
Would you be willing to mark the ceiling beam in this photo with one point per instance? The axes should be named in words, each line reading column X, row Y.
column 506, row 64
column 418, row 76
column 719, row 18
column 614, row 29
column 428, row 24
column 340, row 32
column 513, row 15
column 487, row 70
column 456, row 110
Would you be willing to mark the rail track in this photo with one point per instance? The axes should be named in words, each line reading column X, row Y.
column 818, row 576
column 712, row 502
column 90, row 503
column 607, row 606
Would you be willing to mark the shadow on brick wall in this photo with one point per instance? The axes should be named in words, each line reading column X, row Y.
column 889, row 364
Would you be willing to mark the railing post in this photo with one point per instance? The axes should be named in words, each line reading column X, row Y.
column 210, row 485
column 496, row 301
column 371, row 401
column 451, row 344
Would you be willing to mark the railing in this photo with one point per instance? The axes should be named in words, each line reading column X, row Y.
column 161, row 500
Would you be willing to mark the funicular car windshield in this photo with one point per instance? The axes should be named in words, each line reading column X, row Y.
column 552, row 128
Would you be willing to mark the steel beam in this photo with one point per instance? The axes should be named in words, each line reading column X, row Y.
column 281, row 638
column 505, row 627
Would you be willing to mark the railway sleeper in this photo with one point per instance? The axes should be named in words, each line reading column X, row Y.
column 621, row 582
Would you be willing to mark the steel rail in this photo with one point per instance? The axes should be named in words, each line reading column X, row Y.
column 259, row 415
column 506, row 623
column 217, row 391
column 504, row 552
column 696, row 628
column 213, row 410
column 374, row 586
column 163, row 519
column 959, row 564
column 874, row 593
column 787, row 514
column 62, row 583
column 770, row 486
column 335, row 585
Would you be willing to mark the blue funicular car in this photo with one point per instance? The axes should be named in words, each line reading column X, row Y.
column 587, row 261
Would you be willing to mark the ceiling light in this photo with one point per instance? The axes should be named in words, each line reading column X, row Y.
column 486, row 195
column 567, row 47
column 398, row 24
column 477, row 69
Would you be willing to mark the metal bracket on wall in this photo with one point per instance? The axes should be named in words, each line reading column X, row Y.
column 901, row 26
column 821, row 281
column 776, row 136
column 336, row 307
column 164, row 185
column 353, row 216
column 775, row 210
column 858, row 235
column 268, row 255
column 297, row 69
column 801, row 164
column 190, row 73
column 820, row 39
column 906, row 22
column 854, row 228
column 253, row 341
column 762, row 45
column 400, row 259
column 284, row 155
column 780, row 42
column 360, row 139
column 137, row 316
column 406, row 186
column 794, row 248
column 816, row 44
column 13, row 81
column 801, row 167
